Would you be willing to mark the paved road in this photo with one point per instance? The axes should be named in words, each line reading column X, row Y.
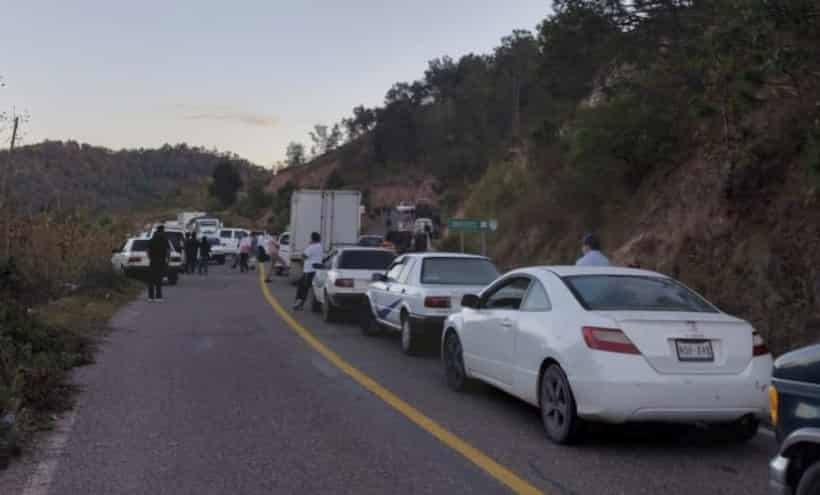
column 211, row 392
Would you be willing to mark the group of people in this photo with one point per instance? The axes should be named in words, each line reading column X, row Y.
column 197, row 254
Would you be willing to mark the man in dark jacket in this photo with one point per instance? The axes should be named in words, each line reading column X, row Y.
column 191, row 248
column 204, row 255
column 158, row 251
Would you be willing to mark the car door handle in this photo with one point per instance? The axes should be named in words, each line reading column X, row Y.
column 506, row 323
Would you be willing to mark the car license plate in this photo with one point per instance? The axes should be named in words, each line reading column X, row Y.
column 695, row 350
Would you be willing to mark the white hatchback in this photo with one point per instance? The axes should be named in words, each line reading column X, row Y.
column 612, row 345
column 348, row 272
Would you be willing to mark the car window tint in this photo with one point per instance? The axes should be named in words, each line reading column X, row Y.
column 284, row 240
column 140, row 245
column 395, row 271
column 509, row 295
column 536, row 299
column 635, row 293
column 225, row 234
column 457, row 271
column 365, row 260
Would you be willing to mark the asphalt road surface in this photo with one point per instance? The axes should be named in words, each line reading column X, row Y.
column 213, row 392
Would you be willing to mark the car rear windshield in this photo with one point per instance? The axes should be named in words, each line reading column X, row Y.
column 458, row 271
column 635, row 293
column 140, row 245
column 365, row 260
column 225, row 234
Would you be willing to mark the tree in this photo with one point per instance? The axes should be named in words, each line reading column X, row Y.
column 334, row 180
column 325, row 139
column 295, row 154
column 226, row 183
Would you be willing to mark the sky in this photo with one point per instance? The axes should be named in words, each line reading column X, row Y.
column 246, row 76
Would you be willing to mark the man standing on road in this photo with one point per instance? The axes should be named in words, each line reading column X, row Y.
column 312, row 256
column 204, row 255
column 591, row 247
column 190, row 253
column 158, row 251
column 245, row 248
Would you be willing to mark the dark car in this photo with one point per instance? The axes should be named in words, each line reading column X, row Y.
column 795, row 404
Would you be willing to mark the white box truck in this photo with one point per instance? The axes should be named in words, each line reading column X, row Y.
column 333, row 214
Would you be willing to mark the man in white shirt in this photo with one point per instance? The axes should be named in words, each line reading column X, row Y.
column 312, row 256
column 591, row 247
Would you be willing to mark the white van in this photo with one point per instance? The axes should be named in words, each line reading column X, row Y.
column 228, row 244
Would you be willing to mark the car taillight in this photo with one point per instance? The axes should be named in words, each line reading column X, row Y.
column 344, row 282
column 759, row 344
column 774, row 403
column 609, row 339
column 437, row 302
column 134, row 259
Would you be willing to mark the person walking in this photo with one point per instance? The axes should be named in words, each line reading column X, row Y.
column 245, row 248
column 312, row 256
column 273, row 253
column 191, row 249
column 592, row 255
column 158, row 252
column 204, row 255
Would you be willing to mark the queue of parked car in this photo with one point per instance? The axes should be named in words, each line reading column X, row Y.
column 586, row 344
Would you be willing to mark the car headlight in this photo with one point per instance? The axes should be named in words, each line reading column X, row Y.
column 774, row 402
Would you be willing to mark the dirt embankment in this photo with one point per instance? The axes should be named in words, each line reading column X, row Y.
column 387, row 191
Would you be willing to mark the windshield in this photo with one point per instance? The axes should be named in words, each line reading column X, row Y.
column 635, row 293
column 207, row 223
column 458, row 271
column 366, row 260
column 140, row 245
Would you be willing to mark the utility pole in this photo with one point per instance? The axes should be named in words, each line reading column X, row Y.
column 4, row 191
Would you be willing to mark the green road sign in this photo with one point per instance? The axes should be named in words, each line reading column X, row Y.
column 472, row 225
column 464, row 224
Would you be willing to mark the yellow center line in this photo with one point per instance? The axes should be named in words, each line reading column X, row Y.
column 472, row 454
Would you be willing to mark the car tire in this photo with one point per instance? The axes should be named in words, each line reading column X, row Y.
column 559, row 413
column 221, row 260
column 410, row 343
column 454, row 370
column 329, row 312
column 809, row 483
column 368, row 323
column 744, row 429
column 173, row 278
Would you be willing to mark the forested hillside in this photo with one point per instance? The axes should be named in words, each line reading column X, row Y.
column 68, row 175
column 686, row 132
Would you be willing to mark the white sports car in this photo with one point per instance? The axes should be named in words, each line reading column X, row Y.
column 612, row 345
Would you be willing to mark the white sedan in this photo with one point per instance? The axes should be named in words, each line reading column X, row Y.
column 132, row 259
column 343, row 282
column 612, row 345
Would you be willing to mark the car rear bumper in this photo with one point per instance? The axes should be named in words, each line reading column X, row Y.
column 349, row 301
column 778, row 472
column 626, row 388
column 428, row 326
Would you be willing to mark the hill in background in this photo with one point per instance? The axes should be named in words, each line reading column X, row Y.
column 68, row 175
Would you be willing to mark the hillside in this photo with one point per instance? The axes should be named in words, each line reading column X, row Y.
column 66, row 175
column 686, row 133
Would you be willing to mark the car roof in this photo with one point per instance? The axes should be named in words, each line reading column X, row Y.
column 569, row 271
column 341, row 249
column 446, row 255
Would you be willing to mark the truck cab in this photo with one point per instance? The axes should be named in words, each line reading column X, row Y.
column 795, row 409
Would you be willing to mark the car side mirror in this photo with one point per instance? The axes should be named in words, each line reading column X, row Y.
column 471, row 301
column 379, row 277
